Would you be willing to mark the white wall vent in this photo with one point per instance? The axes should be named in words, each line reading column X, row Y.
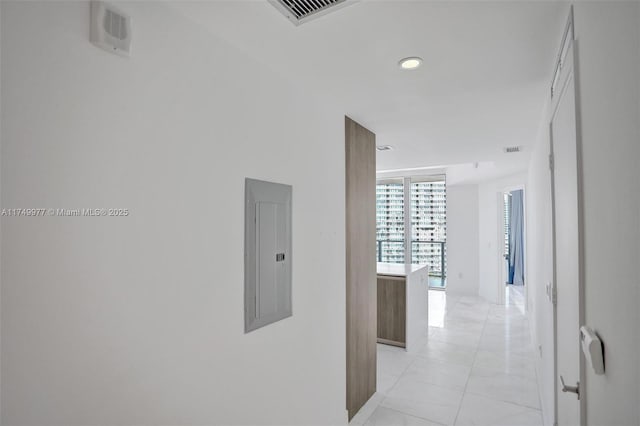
column 512, row 149
column 110, row 28
column 301, row 11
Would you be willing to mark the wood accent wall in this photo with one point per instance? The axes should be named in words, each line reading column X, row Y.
column 392, row 310
column 360, row 166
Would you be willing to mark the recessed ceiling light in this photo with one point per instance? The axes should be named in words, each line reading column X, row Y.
column 410, row 63
column 384, row 147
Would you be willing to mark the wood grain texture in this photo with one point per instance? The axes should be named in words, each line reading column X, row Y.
column 360, row 167
column 392, row 310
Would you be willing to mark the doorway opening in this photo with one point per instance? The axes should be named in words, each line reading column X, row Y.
column 513, row 274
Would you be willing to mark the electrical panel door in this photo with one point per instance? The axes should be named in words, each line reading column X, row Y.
column 267, row 253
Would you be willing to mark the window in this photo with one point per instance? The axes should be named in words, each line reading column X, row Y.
column 506, row 198
column 390, row 221
column 429, row 223
column 426, row 227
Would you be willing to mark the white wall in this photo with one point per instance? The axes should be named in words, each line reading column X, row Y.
column 539, row 274
column 608, row 47
column 139, row 319
column 609, row 66
column 1, row 231
column 490, row 242
column 462, row 239
column 638, row 183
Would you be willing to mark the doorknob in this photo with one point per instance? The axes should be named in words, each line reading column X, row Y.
column 573, row 389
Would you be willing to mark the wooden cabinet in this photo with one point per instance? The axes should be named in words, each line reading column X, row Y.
column 392, row 310
column 403, row 305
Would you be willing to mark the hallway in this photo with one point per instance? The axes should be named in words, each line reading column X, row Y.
column 476, row 369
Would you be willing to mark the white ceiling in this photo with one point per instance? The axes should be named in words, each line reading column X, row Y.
column 482, row 85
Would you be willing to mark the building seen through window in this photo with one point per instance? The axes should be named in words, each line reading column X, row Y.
column 426, row 202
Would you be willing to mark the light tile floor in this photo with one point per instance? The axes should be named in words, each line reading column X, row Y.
column 476, row 369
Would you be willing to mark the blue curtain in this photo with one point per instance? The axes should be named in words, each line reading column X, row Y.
column 516, row 239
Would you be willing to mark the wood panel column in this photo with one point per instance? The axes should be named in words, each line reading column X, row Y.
column 360, row 150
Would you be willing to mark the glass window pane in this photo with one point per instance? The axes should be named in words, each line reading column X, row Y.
column 390, row 222
column 429, row 225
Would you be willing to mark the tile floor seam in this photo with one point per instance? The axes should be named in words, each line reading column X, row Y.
column 492, row 343
column 475, row 355
column 535, row 367
column 516, row 375
column 413, row 415
column 503, row 400
column 400, row 376
column 394, row 384
column 542, row 409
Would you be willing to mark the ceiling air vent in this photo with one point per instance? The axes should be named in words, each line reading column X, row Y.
column 512, row 149
column 301, row 11
column 110, row 28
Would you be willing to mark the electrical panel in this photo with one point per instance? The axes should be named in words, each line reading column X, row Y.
column 267, row 253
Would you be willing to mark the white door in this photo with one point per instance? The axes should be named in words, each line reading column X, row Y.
column 567, row 254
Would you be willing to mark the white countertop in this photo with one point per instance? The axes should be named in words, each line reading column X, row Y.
column 398, row 269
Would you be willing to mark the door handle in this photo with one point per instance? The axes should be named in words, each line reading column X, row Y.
column 573, row 389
